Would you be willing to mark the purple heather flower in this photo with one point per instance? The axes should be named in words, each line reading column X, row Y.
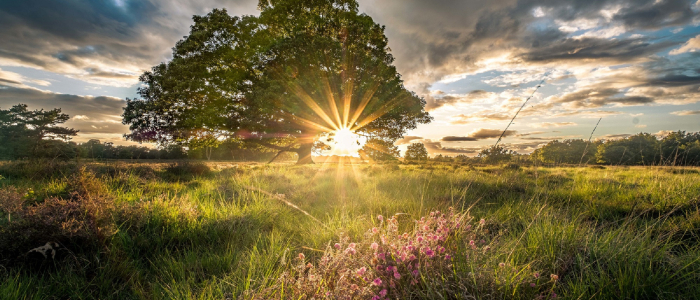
column 397, row 275
column 361, row 271
column 415, row 273
column 381, row 256
column 352, row 245
column 448, row 257
column 429, row 252
column 377, row 281
column 383, row 293
column 337, row 246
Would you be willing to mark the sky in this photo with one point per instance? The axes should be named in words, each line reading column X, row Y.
column 633, row 63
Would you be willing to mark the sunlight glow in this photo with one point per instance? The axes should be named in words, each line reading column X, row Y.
column 345, row 143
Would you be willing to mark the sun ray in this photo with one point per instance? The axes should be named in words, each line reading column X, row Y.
column 304, row 97
column 365, row 100
column 378, row 113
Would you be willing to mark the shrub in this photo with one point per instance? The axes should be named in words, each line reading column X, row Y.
column 84, row 220
column 187, row 169
column 37, row 169
column 385, row 263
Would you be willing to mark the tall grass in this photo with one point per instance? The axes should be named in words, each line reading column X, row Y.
column 613, row 233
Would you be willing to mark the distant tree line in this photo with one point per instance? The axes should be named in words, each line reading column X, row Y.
column 26, row 134
column 675, row 149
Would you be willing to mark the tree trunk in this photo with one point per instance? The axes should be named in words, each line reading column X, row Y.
column 304, row 153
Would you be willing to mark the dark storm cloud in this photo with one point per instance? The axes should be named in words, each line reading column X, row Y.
column 85, row 38
column 458, row 139
column 88, row 114
column 585, row 49
column 432, row 39
column 649, row 14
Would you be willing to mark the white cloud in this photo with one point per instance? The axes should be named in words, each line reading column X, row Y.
column 691, row 46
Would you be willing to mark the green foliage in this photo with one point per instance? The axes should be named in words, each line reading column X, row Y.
column 496, row 155
column 639, row 149
column 33, row 134
column 380, row 150
column 299, row 70
column 416, row 152
column 567, row 152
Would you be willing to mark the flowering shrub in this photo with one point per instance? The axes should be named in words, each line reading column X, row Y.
column 385, row 264
column 85, row 218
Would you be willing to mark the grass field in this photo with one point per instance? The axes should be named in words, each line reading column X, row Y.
column 227, row 231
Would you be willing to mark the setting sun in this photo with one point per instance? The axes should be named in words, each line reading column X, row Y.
column 345, row 143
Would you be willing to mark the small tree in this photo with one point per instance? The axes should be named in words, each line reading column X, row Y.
column 496, row 154
column 380, row 150
column 416, row 151
column 25, row 133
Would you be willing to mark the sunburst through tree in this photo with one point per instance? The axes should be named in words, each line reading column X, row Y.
column 303, row 75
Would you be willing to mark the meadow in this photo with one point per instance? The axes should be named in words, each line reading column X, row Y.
column 219, row 230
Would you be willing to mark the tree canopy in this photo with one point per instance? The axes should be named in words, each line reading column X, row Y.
column 416, row 151
column 28, row 133
column 298, row 71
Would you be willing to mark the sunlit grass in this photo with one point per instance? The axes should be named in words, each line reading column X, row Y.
column 619, row 232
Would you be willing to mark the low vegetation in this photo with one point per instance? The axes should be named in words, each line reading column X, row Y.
column 227, row 231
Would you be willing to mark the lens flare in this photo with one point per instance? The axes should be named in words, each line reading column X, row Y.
column 345, row 143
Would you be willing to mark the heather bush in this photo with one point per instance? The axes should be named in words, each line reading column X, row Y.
column 386, row 263
column 83, row 220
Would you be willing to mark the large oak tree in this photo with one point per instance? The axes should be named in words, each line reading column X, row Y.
column 300, row 70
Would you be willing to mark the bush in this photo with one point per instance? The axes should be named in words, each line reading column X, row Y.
column 83, row 220
column 37, row 169
column 187, row 170
column 385, row 263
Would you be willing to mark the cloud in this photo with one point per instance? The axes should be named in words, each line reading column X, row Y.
column 553, row 124
column 578, row 50
column 436, row 147
column 90, row 115
column 14, row 79
column 407, row 140
column 614, row 136
column 686, row 112
column 103, row 42
column 690, row 46
column 479, row 134
column 441, row 99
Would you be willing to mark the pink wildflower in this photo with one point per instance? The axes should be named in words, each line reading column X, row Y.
column 337, row 246
column 380, row 217
column 448, row 257
column 472, row 243
column 533, row 284
column 429, row 252
column 554, row 277
column 350, row 251
column 375, row 230
column 377, row 281
column 397, row 275
column 361, row 271
column 415, row 273
column 537, row 275
column 383, row 293
column 353, row 287
column 374, row 246
column 501, row 265
column 381, row 256
column 301, row 256
column 375, row 298
column 352, row 245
